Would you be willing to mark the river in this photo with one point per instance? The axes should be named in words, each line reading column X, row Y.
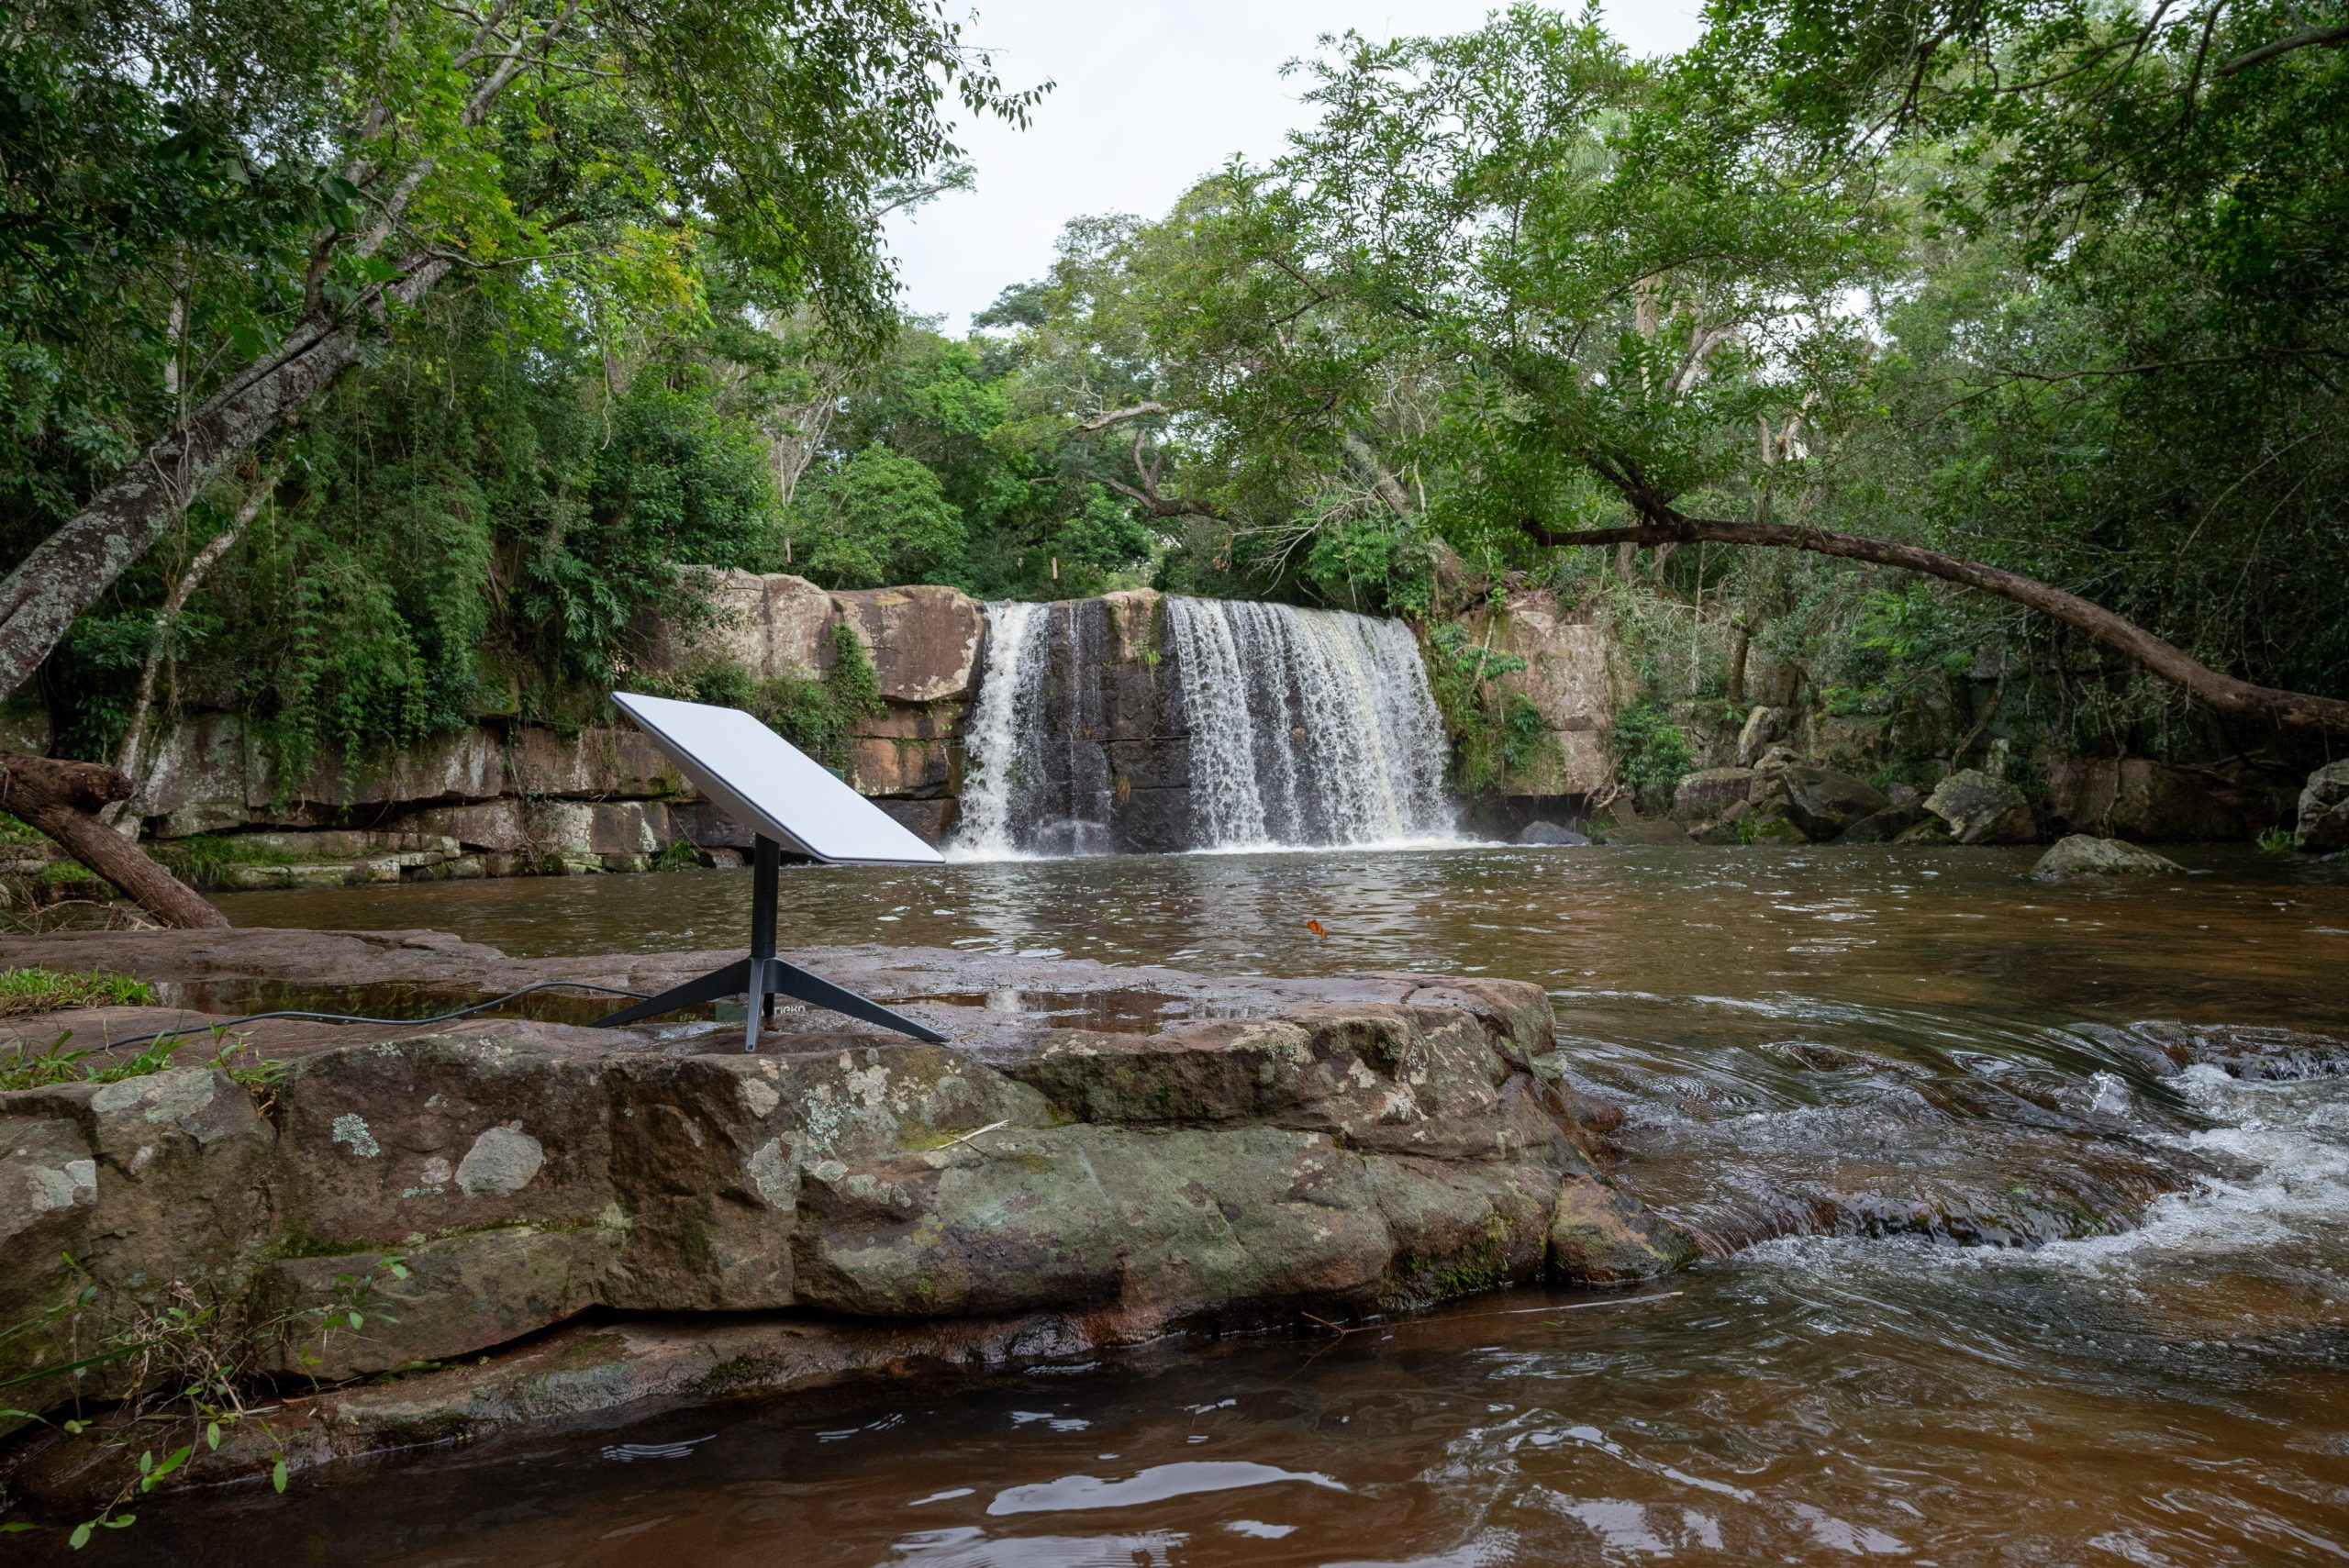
column 1987, row 1291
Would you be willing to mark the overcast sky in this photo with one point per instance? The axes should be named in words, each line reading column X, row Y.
column 1148, row 95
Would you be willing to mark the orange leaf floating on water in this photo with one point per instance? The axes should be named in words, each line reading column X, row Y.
column 1315, row 927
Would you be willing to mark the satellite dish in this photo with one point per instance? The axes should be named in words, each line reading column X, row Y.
column 773, row 787
column 784, row 796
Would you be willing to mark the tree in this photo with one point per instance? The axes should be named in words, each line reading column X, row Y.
column 877, row 518
column 209, row 216
column 1605, row 276
column 332, row 163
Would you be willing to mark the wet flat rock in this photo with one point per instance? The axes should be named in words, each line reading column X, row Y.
column 1192, row 1154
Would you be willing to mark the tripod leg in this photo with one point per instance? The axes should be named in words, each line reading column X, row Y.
column 788, row 979
column 760, row 1000
column 730, row 981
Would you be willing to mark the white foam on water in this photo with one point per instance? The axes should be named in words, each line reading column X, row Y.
column 2290, row 1143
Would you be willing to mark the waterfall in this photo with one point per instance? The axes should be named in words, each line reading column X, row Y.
column 1240, row 726
column 991, row 745
column 1038, row 778
column 1307, row 726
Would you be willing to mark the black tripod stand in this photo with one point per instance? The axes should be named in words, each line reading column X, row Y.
column 762, row 977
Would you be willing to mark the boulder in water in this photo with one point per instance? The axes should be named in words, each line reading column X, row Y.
column 1705, row 796
column 1823, row 802
column 1549, row 833
column 2324, row 810
column 1597, row 1239
column 1890, row 824
column 1981, row 809
column 1927, row 830
column 2085, row 854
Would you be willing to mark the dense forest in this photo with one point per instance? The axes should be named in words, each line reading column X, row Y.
column 369, row 366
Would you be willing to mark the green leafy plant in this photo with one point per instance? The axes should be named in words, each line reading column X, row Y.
column 2274, row 842
column 678, row 854
column 1495, row 734
column 21, row 1067
column 193, row 1362
column 24, row 991
column 1652, row 753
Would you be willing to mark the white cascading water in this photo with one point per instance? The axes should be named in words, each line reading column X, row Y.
column 1307, row 726
column 1013, row 687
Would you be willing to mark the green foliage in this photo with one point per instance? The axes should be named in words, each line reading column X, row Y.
column 819, row 715
column 200, row 859
column 193, row 1360
column 2274, row 842
column 24, row 991
column 24, row 1068
column 1495, row 734
column 877, row 518
column 1652, row 753
column 1371, row 564
column 671, row 480
column 677, row 854
column 943, row 464
column 55, row 1064
column 192, row 200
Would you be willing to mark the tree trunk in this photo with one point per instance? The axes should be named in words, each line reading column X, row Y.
column 62, row 799
column 2292, row 711
column 68, row 572
column 130, row 760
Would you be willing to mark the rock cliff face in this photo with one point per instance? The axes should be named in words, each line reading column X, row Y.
column 1373, row 1143
column 1570, row 676
column 506, row 796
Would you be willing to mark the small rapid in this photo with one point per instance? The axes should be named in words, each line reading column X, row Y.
column 2028, row 1209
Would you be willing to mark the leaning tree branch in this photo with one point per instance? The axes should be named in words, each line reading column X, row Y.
column 69, row 570
column 2313, row 38
column 1107, row 418
column 2225, row 693
column 63, row 800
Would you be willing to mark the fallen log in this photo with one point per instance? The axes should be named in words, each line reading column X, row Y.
column 61, row 800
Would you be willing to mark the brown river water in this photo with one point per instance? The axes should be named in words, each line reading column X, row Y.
column 1991, row 1290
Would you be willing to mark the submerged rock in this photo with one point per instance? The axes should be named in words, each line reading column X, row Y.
column 1704, row 795
column 2325, row 811
column 1926, row 829
column 2084, row 855
column 1594, row 1239
column 1890, row 824
column 2239, row 1050
column 1823, row 802
column 1981, row 809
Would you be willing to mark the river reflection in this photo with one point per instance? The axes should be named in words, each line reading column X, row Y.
column 1840, row 1066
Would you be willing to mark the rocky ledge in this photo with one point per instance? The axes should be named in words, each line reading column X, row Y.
column 596, row 1221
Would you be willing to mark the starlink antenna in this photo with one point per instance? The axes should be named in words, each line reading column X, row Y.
column 784, row 796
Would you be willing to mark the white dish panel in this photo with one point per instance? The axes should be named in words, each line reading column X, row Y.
column 770, row 786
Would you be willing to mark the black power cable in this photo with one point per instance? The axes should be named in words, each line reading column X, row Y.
column 359, row 1019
